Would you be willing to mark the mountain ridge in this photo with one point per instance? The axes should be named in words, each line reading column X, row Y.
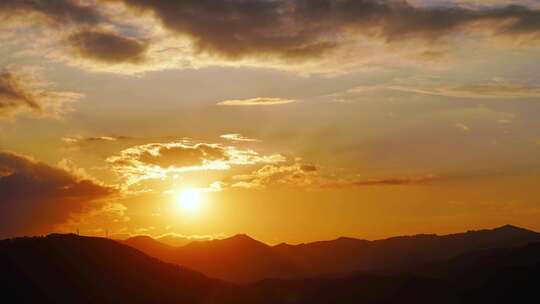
column 253, row 260
column 76, row 269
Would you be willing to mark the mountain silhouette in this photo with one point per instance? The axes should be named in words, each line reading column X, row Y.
column 399, row 253
column 242, row 259
column 239, row 259
column 74, row 269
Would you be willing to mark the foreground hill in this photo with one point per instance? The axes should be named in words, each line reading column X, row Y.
column 242, row 259
column 73, row 269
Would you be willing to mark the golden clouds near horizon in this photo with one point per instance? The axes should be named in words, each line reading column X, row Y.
column 162, row 160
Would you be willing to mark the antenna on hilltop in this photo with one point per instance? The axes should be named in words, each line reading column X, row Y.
column 78, row 231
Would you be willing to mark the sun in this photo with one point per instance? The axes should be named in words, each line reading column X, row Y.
column 189, row 200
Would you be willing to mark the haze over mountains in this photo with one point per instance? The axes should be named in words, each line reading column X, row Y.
column 241, row 259
column 76, row 269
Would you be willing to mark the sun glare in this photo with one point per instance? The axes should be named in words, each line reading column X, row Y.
column 189, row 201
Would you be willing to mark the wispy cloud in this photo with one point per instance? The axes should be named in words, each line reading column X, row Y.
column 308, row 176
column 25, row 90
column 493, row 90
column 238, row 137
column 259, row 101
column 79, row 139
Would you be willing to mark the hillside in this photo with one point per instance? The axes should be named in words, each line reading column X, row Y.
column 73, row 269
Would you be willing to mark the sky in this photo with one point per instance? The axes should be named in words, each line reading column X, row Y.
column 288, row 120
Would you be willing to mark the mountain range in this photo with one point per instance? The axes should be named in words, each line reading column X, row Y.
column 75, row 269
column 241, row 259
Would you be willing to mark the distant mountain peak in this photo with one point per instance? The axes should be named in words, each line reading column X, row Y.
column 512, row 228
column 502, row 229
column 241, row 237
column 141, row 238
column 509, row 227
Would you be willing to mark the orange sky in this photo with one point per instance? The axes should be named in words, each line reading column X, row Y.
column 291, row 120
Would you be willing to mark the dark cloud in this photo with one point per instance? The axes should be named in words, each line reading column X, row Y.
column 286, row 29
column 107, row 47
column 36, row 197
column 88, row 39
column 54, row 11
column 303, row 28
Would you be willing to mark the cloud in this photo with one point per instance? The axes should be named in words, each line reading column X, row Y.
column 307, row 176
column 238, row 137
column 296, row 29
column 304, row 36
column 13, row 95
column 54, row 11
column 25, row 91
column 496, row 90
column 107, row 47
column 74, row 32
column 79, row 139
column 158, row 160
column 259, row 101
column 237, row 28
column 490, row 90
column 36, row 197
column 295, row 175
